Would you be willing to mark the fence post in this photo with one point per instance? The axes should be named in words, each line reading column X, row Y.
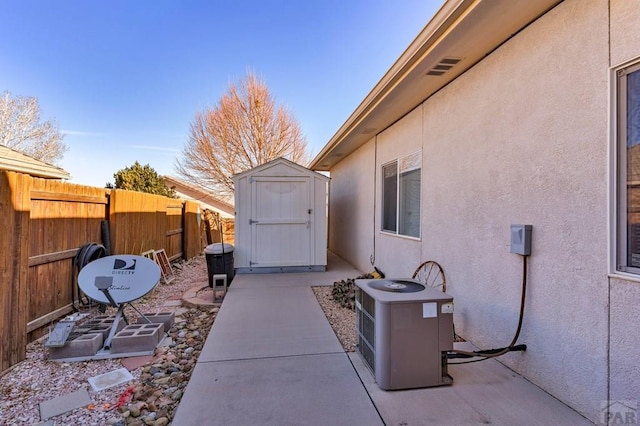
column 15, row 191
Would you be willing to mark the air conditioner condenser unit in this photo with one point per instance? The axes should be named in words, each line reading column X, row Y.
column 404, row 331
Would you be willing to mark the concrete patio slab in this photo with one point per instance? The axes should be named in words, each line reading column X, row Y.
column 310, row 390
column 337, row 269
column 60, row 405
column 269, row 321
column 271, row 358
column 486, row 392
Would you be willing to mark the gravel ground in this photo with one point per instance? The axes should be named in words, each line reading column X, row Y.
column 154, row 394
column 342, row 320
column 151, row 398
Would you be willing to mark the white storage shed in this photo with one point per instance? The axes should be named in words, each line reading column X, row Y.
column 281, row 219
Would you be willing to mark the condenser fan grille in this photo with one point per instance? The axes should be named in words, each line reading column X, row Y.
column 366, row 326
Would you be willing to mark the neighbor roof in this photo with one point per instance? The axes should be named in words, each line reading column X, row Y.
column 460, row 35
column 15, row 161
column 199, row 194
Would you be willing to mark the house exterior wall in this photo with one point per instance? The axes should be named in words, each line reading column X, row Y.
column 521, row 138
column 531, row 149
column 397, row 256
column 351, row 207
column 624, row 294
column 625, row 37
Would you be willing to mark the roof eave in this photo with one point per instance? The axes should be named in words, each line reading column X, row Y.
column 45, row 174
column 457, row 30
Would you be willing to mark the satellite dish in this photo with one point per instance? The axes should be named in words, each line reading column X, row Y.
column 123, row 277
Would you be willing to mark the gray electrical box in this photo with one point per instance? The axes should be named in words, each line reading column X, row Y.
column 521, row 239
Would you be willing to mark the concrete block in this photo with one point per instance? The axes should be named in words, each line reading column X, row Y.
column 109, row 322
column 166, row 318
column 101, row 329
column 80, row 346
column 80, row 330
column 137, row 338
column 73, row 336
column 104, row 317
column 92, row 323
column 104, row 320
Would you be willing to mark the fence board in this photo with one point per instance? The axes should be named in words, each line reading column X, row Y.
column 52, row 257
column 45, row 222
column 137, row 221
column 192, row 243
column 64, row 217
column 14, row 205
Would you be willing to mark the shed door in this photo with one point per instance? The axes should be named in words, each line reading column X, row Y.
column 281, row 226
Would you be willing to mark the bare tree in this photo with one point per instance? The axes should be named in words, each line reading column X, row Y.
column 21, row 129
column 244, row 130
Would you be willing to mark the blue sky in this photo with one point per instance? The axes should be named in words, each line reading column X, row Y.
column 124, row 79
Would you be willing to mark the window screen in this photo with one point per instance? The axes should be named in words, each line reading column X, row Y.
column 390, row 196
column 401, row 188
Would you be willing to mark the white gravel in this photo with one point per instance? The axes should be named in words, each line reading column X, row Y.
column 342, row 320
column 36, row 379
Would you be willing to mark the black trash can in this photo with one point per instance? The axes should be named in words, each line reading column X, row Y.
column 219, row 261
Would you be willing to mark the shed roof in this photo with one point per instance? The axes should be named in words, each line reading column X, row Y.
column 15, row 161
column 276, row 162
column 458, row 36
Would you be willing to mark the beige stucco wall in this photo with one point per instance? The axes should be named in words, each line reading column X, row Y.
column 520, row 138
column 625, row 37
column 351, row 209
column 624, row 294
column 397, row 256
column 625, row 329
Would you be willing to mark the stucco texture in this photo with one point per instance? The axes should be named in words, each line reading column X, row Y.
column 625, row 37
column 351, row 207
column 624, row 295
column 625, row 329
column 397, row 256
column 522, row 138
column 519, row 138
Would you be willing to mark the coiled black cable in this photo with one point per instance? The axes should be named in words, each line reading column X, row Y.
column 86, row 254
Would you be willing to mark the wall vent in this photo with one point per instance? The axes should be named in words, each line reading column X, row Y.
column 443, row 66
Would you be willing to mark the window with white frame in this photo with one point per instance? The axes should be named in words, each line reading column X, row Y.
column 401, row 187
column 628, row 193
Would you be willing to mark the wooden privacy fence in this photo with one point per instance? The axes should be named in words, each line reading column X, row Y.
column 43, row 223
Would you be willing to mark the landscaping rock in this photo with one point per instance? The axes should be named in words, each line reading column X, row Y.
column 344, row 291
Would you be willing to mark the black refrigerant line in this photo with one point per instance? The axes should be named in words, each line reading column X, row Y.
column 492, row 353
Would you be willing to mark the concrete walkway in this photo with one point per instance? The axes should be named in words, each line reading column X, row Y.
column 271, row 358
